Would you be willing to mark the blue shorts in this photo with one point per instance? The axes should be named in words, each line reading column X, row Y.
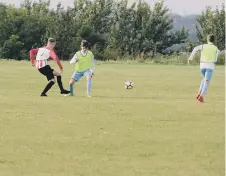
column 207, row 73
column 77, row 75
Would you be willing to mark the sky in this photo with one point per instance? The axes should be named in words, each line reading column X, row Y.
column 182, row 7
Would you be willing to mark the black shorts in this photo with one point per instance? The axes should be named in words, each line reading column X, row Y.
column 47, row 71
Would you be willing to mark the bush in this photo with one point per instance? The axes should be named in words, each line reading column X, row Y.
column 12, row 48
column 221, row 58
column 111, row 54
column 98, row 54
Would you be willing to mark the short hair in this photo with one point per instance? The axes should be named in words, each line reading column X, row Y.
column 51, row 40
column 211, row 38
column 85, row 43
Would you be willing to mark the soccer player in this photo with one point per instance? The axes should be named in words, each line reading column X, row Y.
column 43, row 55
column 209, row 55
column 84, row 66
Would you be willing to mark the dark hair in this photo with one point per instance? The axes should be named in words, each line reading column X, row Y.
column 211, row 38
column 85, row 43
column 51, row 40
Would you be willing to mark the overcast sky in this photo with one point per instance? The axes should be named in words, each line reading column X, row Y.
column 182, row 7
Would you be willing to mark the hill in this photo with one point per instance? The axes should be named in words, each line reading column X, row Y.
column 188, row 22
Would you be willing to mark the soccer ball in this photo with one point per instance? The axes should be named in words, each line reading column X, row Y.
column 128, row 84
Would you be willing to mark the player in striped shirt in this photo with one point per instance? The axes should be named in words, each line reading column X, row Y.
column 43, row 55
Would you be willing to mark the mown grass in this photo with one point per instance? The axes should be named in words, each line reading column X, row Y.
column 155, row 129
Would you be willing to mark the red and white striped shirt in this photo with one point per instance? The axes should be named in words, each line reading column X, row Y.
column 43, row 56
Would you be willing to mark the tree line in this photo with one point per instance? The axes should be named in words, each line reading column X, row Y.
column 113, row 29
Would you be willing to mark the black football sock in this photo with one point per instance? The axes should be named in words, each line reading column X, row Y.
column 59, row 82
column 48, row 86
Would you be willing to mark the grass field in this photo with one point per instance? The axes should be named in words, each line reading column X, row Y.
column 156, row 129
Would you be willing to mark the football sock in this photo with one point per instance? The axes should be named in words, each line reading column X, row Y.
column 71, row 88
column 89, row 86
column 59, row 82
column 201, row 85
column 205, row 88
column 48, row 86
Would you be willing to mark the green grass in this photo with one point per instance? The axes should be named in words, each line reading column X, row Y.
column 156, row 129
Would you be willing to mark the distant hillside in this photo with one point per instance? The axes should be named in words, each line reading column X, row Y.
column 188, row 22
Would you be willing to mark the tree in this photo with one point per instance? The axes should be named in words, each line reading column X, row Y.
column 212, row 22
column 64, row 29
column 127, row 34
column 158, row 31
column 110, row 26
column 12, row 48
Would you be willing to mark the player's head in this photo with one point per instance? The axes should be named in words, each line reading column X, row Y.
column 210, row 38
column 84, row 45
column 51, row 43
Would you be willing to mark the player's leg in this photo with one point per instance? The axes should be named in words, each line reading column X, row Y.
column 71, row 86
column 208, row 76
column 75, row 78
column 202, row 82
column 59, row 82
column 50, row 77
column 48, row 86
column 88, row 76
